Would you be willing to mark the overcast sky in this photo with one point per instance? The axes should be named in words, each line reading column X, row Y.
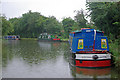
column 57, row 8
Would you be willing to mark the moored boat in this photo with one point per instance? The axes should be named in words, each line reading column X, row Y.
column 12, row 37
column 89, row 48
column 48, row 37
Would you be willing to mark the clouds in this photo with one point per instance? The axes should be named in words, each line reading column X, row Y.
column 57, row 8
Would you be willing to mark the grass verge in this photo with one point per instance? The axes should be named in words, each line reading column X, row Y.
column 28, row 38
column 114, row 48
column 64, row 40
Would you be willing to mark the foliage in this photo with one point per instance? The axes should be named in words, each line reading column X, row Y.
column 7, row 27
column 106, row 16
column 52, row 26
column 114, row 48
column 80, row 18
column 68, row 26
column 31, row 24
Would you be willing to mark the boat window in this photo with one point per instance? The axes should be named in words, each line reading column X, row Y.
column 103, row 43
column 80, row 44
column 88, row 30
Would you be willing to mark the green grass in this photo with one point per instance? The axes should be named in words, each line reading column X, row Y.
column 64, row 40
column 28, row 38
column 114, row 48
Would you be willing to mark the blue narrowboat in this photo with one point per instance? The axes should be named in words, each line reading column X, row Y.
column 89, row 48
column 12, row 37
column 48, row 37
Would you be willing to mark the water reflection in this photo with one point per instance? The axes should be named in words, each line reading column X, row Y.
column 34, row 59
column 90, row 73
column 45, row 45
column 94, row 73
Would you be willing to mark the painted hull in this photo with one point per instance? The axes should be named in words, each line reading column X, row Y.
column 90, row 60
column 51, row 40
column 12, row 39
column 94, row 64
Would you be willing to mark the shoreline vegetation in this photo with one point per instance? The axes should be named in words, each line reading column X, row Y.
column 63, row 40
column 114, row 48
column 28, row 38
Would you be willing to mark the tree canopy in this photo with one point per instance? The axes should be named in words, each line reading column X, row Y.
column 104, row 16
column 7, row 27
column 31, row 24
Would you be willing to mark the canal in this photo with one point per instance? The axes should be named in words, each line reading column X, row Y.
column 34, row 59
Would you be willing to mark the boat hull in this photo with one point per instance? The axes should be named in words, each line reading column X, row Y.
column 90, row 60
column 95, row 64
column 51, row 40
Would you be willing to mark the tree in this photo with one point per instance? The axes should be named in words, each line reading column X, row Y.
column 106, row 17
column 68, row 26
column 80, row 18
column 16, row 24
column 31, row 24
column 7, row 27
column 52, row 26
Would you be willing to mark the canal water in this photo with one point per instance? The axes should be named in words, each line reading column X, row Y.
column 34, row 59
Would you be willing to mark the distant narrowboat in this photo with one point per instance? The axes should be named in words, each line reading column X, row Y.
column 89, row 48
column 12, row 37
column 48, row 37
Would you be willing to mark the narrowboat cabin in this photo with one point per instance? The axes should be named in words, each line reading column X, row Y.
column 48, row 37
column 89, row 48
column 12, row 37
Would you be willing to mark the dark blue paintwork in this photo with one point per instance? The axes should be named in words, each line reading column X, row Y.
column 88, row 39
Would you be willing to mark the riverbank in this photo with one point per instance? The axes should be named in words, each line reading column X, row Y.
column 63, row 40
column 114, row 48
column 28, row 38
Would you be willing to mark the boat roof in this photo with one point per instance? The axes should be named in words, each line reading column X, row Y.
column 84, row 29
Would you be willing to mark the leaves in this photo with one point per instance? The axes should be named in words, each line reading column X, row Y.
column 31, row 24
column 106, row 16
column 7, row 27
column 68, row 26
column 80, row 18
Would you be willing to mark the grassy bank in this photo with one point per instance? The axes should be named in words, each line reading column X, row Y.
column 64, row 40
column 28, row 38
column 114, row 48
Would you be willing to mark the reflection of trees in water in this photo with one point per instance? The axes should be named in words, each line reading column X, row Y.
column 37, row 52
column 115, row 72
column 66, row 49
column 33, row 52
column 96, row 74
column 7, row 51
column 90, row 73
column 5, row 56
column 58, row 48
